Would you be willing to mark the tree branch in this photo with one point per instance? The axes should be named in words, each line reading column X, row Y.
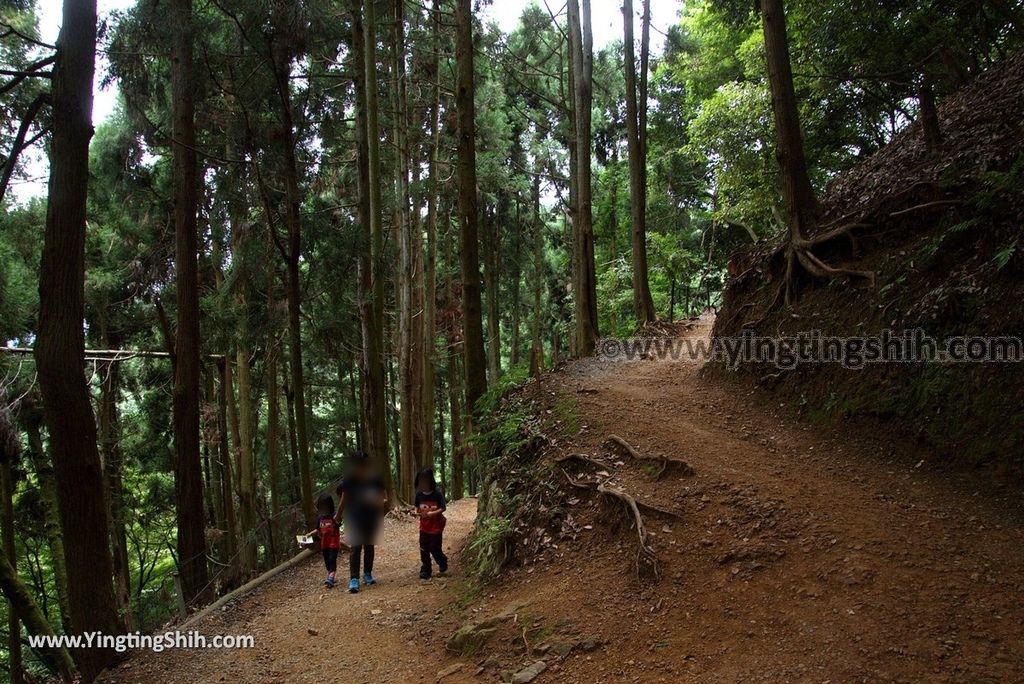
column 19, row 141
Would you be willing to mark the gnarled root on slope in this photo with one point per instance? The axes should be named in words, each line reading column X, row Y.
column 665, row 465
column 646, row 559
column 646, row 564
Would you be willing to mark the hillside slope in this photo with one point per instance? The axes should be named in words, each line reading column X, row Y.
column 942, row 234
column 791, row 553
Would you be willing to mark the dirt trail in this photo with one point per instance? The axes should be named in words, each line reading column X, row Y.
column 385, row 633
column 803, row 553
column 800, row 554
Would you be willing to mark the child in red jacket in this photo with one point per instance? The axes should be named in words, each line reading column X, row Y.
column 329, row 533
column 430, row 505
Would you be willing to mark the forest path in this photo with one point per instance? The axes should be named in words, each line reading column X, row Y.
column 305, row 632
column 803, row 553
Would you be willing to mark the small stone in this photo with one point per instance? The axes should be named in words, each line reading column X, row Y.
column 529, row 673
column 450, row 670
column 312, row 632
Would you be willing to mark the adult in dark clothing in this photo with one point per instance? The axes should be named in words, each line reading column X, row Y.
column 362, row 502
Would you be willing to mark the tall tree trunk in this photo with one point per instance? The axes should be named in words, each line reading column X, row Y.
column 9, row 444
column 246, row 464
column 613, row 234
column 211, row 443
column 20, row 598
column 430, row 265
column 246, row 418
column 293, row 442
column 110, row 448
column 210, row 482
column 636, row 117
column 537, row 342
column 412, row 144
column 378, row 431
column 409, row 374
column 225, row 403
column 472, row 318
column 645, row 58
column 354, row 381
column 929, row 114
column 574, row 167
column 273, row 427
column 32, row 420
column 60, row 346
column 516, row 276
column 235, row 431
column 282, row 57
column 371, row 278
column 585, row 276
column 800, row 201
column 188, row 468
column 492, row 279
column 458, row 454
column 441, row 450
column 801, row 204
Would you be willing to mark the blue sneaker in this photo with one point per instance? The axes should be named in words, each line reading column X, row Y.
column 368, row 579
column 353, row 586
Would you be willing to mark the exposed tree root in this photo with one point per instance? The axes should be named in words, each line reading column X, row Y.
column 665, row 465
column 926, row 205
column 578, row 484
column 646, row 559
column 582, row 458
column 616, row 444
column 799, row 251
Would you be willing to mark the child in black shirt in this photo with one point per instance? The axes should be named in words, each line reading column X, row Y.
column 430, row 506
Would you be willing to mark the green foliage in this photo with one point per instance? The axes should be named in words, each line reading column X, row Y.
column 489, row 547
column 1003, row 256
column 511, row 380
column 20, row 249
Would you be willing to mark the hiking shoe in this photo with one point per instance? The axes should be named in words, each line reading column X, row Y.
column 424, row 575
column 368, row 579
column 442, row 569
column 329, row 582
column 353, row 586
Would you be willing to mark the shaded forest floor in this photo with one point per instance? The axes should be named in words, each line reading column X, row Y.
column 795, row 553
column 305, row 632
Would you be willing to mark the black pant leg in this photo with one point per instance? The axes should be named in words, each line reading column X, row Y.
column 437, row 552
column 425, row 553
column 368, row 552
column 353, row 561
column 331, row 559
